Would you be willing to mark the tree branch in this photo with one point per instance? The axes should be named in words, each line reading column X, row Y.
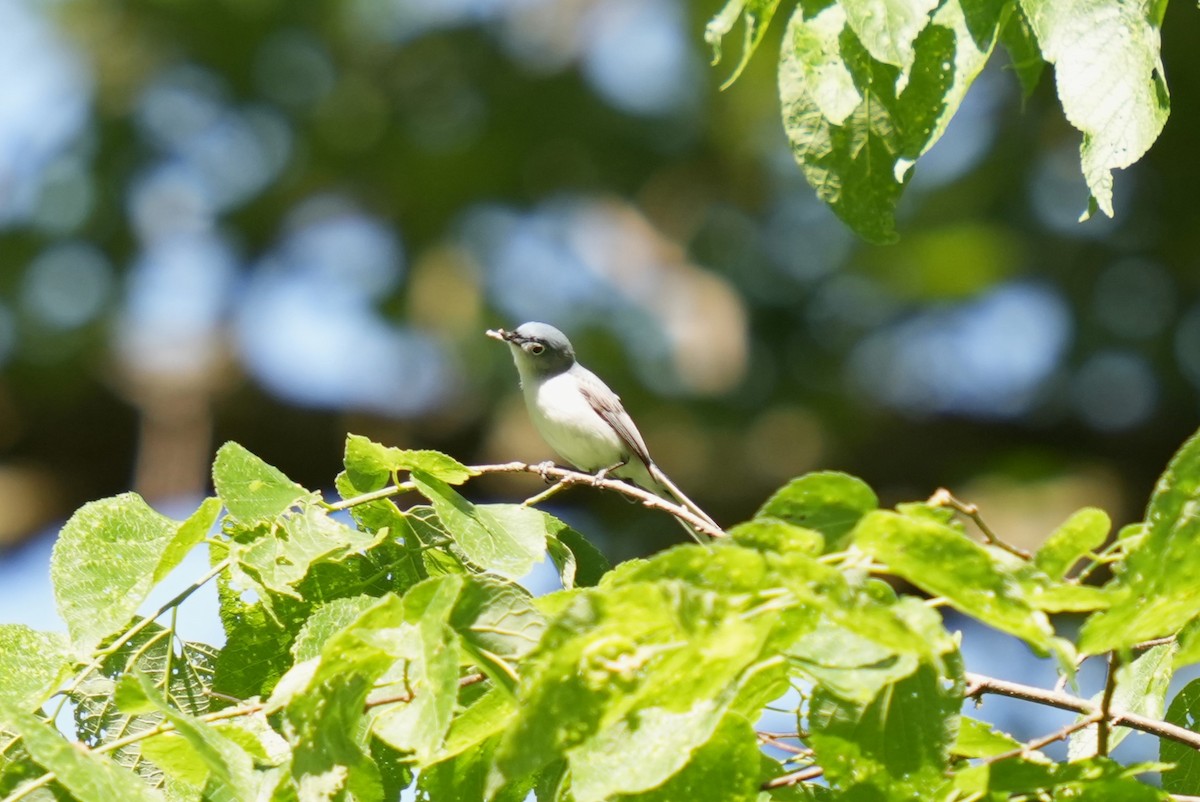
column 978, row 684
column 565, row 477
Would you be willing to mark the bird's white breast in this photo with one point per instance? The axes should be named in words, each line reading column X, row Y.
column 567, row 421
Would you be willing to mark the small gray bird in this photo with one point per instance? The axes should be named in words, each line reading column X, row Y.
column 581, row 418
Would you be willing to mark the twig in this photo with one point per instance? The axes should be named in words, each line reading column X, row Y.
column 794, row 778
column 1110, row 685
column 943, row 498
column 565, row 478
column 1038, row 743
column 979, row 684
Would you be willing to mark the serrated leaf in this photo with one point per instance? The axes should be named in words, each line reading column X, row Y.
column 1109, row 74
column 250, row 489
column 755, row 15
column 857, row 124
column 1155, row 591
column 901, row 739
column 1183, row 712
column 829, row 502
column 979, row 739
column 484, row 718
column 32, row 663
column 943, row 562
column 1141, row 688
column 1085, row 531
column 723, row 769
column 84, row 774
column 506, row 539
column 104, row 565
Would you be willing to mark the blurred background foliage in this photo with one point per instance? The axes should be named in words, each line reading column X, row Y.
column 277, row 222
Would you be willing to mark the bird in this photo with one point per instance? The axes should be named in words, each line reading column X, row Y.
column 583, row 420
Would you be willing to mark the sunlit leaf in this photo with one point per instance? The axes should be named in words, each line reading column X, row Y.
column 251, row 489
column 1183, row 712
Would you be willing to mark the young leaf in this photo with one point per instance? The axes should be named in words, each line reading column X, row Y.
column 579, row 562
column 1083, row 532
column 978, row 739
column 251, row 489
column 31, row 664
column 104, row 565
column 943, row 562
column 506, row 539
column 1109, row 73
column 765, row 533
column 1183, row 712
column 830, row 503
column 190, row 532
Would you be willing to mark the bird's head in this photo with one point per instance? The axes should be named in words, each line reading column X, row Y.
column 538, row 349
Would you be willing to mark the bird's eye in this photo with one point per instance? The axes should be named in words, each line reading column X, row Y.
column 536, row 348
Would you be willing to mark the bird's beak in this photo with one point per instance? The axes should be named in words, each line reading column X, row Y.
column 501, row 335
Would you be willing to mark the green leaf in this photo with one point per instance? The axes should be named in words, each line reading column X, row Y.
column 943, row 562
column 1155, row 590
column 847, row 665
column 901, row 739
column 1094, row 780
column 280, row 558
column 1109, row 74
column 32, row 664
column 84, row 774
column 830, row 503
column 1141, row 688
column 579, row 562
column 229, row 765
column 370, row 464
column 190, row 533
column 1183, row 712
column 426, row 650
column 325, row 621
column 463, row 778
column 498, row 624
column 506, row 539
column 1083, row 532
column 251, row 489
column 105, row 563
column 1023, row 51
column 484, row 718
column 888, row 28
column 765, row 533
column 755, row 15
column 857, row 123
column 724, row 769
column 977, row 739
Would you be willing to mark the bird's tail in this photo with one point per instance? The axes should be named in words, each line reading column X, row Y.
column 674, row 492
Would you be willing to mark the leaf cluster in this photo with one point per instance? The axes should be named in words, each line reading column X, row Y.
column 382, row 641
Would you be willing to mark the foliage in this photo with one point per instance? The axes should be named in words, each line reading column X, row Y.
column 868, row 86
column 396, row 648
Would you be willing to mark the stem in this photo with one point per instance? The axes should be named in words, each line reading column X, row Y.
column 943, row 498
column 1038, row 743
column 810, row 773
column 1110, row 686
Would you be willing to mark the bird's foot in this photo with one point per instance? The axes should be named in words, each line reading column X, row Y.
column 543, row 470
column 602, row 474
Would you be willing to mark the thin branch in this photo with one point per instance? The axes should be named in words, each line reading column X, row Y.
column 978, row 684
column 943, row 498
column 1045, row 740
column 794, row 778
column 1110, row 686
column 565, row 477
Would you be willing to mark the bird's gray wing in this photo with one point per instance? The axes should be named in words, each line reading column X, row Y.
column 608, row 406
